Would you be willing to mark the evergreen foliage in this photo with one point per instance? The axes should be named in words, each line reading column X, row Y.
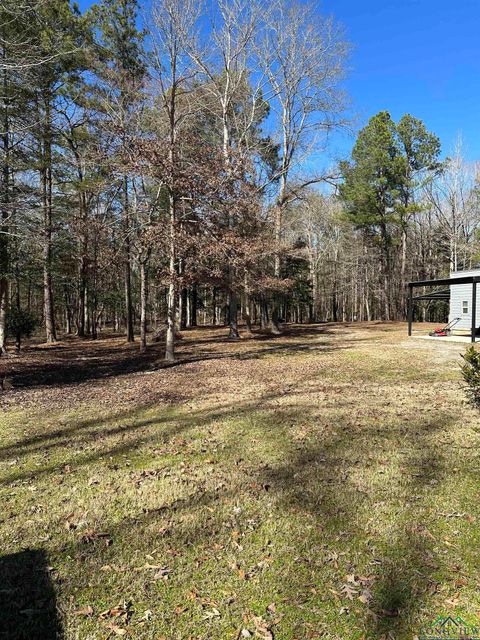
column 471, row 375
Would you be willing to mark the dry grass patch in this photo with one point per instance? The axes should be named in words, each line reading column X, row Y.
column 318, row 485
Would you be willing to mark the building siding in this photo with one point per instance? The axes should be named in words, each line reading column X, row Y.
column 460, row 293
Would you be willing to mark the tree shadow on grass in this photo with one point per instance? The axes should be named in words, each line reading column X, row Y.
column 78, row 361
column 27, row 598
column 409, row 559
column 314, row 480
column 118, row 439
column 317, row 478
column 123, row 424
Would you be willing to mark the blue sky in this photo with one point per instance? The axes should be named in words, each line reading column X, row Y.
column 413, row 56
column 416, row 56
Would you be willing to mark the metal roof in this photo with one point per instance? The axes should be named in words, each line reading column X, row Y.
column 441, row 294
column 445, row 281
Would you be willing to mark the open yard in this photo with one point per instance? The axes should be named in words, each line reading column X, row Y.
column 322, row 484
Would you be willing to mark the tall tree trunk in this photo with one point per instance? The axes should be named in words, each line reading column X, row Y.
column 314, row 282
column 275, row 326
column 214, row 306
column 248, row 313
column 232, row 301
column 403, row 273
column 193, row 305
column 94, row 292
column 82, row 303
column 83, row 268
column 183, row 303
column 281, row 201
column 3, row 305
column 387, row 276
column 143, row 303
column 47, row 186
column 68, row 314
column 263, row 312
column 247, row 306
column 171, row 297
column 4, row 248
column 128, row 264
column 232, row 313
column 18, row 336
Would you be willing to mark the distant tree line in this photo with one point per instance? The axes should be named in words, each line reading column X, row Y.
column 154, row 179
column 401, row 214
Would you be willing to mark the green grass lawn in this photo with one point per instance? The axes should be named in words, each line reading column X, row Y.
column 320, row 485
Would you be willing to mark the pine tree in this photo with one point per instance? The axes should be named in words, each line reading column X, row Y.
column 121, row 70
column 11, row 103
column 387, row 163
column 55, row 26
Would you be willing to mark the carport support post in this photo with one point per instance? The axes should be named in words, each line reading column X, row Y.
column 410, row 309
column 474, row 310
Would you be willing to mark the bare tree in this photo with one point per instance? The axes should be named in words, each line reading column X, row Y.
column 225, row 70
column 303, row 56
column 453, row 201
column 174, row 26
column 317, row 220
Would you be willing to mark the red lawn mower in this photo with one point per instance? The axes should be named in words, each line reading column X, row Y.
column 443, row 332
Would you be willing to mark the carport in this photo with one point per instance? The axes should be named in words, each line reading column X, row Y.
column 443, row 292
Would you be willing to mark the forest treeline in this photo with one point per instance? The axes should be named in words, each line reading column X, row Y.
column 158, row 177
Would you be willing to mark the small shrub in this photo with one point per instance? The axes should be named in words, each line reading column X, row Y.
column 471, row 375
column 20, row 323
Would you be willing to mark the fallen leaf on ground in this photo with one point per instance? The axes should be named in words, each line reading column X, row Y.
column 212, row 613
column 348, row 591
column 84, row 611
column 119, row 631
column 262, row 628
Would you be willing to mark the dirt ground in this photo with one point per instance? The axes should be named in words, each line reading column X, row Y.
column 78, row 368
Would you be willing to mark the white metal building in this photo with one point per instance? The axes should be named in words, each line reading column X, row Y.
column 461, row 291
column 461, row 303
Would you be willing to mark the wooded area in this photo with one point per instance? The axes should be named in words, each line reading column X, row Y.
column 157, row 179
column 173, row 179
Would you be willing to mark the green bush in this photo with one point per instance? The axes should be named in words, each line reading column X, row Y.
column 471, row 375
column 20, row 323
